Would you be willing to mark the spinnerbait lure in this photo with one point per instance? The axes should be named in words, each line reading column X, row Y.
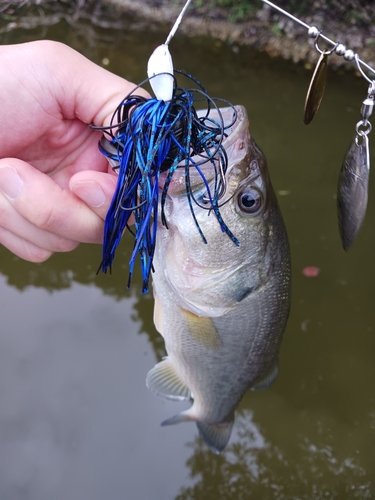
column 318, row 81
column 352, row 192
column 354, row 175
column 149, row 137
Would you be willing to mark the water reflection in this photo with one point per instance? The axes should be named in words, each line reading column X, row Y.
column 81, row 266
column 254, row 467
column 76, row 420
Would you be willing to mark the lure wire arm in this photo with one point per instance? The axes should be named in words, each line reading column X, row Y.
column 364, row 127
column 177, row 23
column 338, row 48
column 326, row 52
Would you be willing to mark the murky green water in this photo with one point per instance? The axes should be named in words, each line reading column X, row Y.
column 76, row 420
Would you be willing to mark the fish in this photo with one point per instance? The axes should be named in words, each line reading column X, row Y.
column 222, row 309
column 352, row 192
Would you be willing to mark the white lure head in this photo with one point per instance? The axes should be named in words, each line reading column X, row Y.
column 159, row 64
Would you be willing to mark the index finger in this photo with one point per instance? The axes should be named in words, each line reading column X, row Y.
column 46, row 205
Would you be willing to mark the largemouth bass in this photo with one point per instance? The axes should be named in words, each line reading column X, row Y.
column 221, row 308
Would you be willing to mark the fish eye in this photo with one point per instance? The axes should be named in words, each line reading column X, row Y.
column 250, row 200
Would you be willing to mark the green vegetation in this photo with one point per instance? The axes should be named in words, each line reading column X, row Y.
column 357, row 11
column 360, row 13
column 239, row 8
column 244, row 6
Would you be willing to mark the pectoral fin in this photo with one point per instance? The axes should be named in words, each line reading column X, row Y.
column 202, row 330
column 216, row 436
column 163, row 380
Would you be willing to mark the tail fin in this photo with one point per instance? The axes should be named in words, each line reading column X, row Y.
column 216, row 436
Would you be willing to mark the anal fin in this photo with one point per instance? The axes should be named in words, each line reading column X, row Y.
column 163, row 380
column 184, row 416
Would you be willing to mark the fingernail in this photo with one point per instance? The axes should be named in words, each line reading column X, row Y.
column 10, row 182
column 90, row 192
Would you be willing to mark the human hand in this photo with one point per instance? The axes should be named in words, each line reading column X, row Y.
column 55, row 186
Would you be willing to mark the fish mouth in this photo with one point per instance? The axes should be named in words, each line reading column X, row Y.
column 206, row 172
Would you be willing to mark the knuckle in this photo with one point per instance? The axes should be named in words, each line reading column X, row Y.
column 46, row 220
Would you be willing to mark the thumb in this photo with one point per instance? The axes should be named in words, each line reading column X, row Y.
column 94, row 93
column 95, row 189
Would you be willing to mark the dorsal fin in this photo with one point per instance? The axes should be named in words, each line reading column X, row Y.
column 268, row 379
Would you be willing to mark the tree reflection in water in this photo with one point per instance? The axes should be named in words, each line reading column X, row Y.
column 254, row 468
